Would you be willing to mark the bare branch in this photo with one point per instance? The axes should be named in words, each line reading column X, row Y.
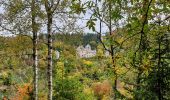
column 12, row 32
column 55, row 6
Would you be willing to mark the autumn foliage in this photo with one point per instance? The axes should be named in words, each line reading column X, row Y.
column 102, row 89
column 23, row 92
column 5, row 98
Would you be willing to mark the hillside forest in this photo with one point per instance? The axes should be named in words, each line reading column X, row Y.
column 84, row 50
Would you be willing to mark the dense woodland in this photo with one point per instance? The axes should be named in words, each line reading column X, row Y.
column 135, row 33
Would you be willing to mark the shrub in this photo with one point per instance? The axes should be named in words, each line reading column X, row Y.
column 102, row 90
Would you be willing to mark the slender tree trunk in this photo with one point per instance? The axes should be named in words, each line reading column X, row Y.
column 50, row 8
column 112, row 50
column 141, row 49
column 49, row 72
column 35, row 57
column 143, row 42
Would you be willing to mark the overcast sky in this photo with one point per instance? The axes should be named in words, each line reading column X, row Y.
column 81, row 22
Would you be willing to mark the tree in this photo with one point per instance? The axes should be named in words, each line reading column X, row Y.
column 53, row 8
column 109, row 14
column 50, row 7
column 16, row 15
column 143, row 41
column 35, row 43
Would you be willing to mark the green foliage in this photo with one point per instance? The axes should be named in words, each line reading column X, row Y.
column 68, row 88
column 91, row 24
column 77, row 7
column 140, row 58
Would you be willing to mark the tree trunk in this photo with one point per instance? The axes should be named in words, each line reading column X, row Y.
column 112, row 50
column 143, row 43
column 49, row 72
column 35, row 57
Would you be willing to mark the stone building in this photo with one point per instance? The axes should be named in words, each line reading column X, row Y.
column 85, row 52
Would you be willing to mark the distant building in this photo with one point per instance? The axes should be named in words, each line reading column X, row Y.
column 85, row 52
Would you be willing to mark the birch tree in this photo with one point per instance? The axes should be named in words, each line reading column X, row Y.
column 50, row 7
column 35, row 52
column 20, row 19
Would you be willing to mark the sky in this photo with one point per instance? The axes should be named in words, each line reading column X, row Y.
column 1, row 10
column 81, row 22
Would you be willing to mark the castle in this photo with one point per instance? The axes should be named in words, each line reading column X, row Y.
column 85, row 52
